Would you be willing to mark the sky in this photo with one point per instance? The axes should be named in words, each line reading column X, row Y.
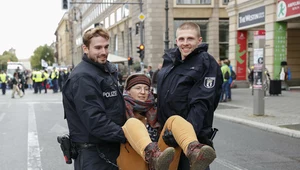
column 28, row 24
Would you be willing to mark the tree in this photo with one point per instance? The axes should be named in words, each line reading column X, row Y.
column 6, row 57
column 42, row 52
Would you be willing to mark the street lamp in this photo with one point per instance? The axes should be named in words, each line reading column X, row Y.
column 167, row 27
column 75, row 21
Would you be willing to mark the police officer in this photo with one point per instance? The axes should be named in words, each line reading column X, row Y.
column 45, row 77
column 94, row 106
column 3, row 81
column 54, row 78
column 189, row 84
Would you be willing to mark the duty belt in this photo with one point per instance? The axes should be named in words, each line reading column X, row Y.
column 85, row 145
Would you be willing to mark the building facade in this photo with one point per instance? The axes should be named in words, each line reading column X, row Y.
column 279, row 20
column 127, row 31
column 64, row 44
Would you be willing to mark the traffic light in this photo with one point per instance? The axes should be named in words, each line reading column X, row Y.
column 130, row 61
column 141, row 51
column 65, row 4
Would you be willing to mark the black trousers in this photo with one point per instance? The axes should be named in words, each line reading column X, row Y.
column 3, row 87
column 89, row 159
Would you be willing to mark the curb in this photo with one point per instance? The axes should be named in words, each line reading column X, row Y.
column 267, row 127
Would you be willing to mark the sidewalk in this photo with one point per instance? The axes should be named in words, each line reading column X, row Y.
column 282, row 113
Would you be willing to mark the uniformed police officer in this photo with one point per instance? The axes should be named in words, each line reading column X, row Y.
column 189, row 84
column 3, row 81
column 94, row 106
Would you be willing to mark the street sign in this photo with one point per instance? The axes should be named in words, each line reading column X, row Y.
column 141, row 17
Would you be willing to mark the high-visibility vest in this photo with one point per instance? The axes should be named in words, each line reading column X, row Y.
column 38, row 77
column 3, row 78
column 54, row 74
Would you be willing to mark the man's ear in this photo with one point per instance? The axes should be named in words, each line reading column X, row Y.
column 200, row 40
column 85, row 49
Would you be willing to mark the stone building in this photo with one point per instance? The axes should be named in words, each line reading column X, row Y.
column 122, row 20
column 279, row 21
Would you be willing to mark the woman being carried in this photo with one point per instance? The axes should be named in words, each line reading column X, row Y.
column 145, row 140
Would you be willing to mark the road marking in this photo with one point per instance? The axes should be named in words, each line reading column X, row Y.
column 2, row 116
column 34, row 155
column 229, row 164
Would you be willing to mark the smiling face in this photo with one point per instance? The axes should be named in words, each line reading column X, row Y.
column 187, row 41
column 139, row 92
column 97, row 50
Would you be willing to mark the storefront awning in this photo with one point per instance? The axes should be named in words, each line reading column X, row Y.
column 116, row 59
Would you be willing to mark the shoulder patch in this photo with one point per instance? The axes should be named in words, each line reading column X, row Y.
column 209, row 82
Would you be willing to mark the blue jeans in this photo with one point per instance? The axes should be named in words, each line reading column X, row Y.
column 225, row 91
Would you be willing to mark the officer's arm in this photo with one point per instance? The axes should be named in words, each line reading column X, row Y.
column 90, row 107
column 204, row 97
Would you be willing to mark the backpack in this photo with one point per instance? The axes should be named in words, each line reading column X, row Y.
column 226, row 75
column 233, row 75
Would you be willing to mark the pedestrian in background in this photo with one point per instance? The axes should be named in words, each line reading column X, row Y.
column 16, row 83
column 3, row 81
column 189, row 85
column 54, row 78
column 230, row 81
column 94, row 106
column 226, row 76
column 45, row 78
column 154, row 80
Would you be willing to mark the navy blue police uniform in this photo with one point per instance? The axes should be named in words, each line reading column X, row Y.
column 190, row 88
column 95, row 111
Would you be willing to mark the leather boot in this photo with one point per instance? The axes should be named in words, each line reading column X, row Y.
column 156, row 159
column 200, row 156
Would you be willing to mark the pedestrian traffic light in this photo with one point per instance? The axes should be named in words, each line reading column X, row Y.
column 141, row 51
column 65, row 4
column 130, row 61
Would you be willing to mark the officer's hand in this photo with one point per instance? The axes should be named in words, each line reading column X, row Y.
column 169, row 138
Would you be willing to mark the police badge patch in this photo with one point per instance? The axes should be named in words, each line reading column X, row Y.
column 209, row 82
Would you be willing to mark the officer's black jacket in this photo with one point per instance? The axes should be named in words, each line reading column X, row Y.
column 93, row 104
column 190, row 88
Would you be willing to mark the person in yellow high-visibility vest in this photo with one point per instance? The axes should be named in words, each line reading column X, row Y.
column 38, row 81
column 54, row 77
column 3, row 81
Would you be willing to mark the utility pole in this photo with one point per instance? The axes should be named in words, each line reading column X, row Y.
column 141, row 34
column 167, row 26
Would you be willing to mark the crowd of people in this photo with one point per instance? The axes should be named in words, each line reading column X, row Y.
column 115, row 129
column 36, row 80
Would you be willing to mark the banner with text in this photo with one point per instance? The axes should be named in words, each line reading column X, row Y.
column 241, row 56
column 279, row 46
column 288, row 9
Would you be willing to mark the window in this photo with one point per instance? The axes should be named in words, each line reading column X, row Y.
column 116, row 44
column 119, row 14
column 225, row 2
column 201, row 23
column 106, row 22
column 112, row 19
column 193, row 2
column 125, row 11
column 223, row 39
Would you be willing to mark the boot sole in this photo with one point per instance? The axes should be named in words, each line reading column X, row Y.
column 206, row 156
column 165, row 159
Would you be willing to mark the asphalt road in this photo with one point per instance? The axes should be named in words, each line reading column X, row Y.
column 29, row 127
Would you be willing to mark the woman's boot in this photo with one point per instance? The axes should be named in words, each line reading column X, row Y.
column 156, row 159
column 200, row 156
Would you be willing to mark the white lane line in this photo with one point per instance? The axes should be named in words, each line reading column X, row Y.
column 2, row 116
column 229, row 164
column 33, row 156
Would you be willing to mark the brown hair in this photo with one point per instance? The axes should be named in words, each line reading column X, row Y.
column 188, row 26
column 94, row 32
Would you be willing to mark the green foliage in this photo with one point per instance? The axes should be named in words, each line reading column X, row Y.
column 6, row 57
column 42, row 52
